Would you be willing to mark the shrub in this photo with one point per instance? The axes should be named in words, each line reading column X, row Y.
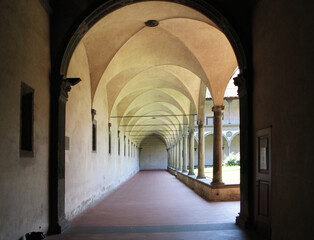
column 232, row 160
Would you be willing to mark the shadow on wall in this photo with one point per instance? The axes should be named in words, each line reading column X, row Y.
column 153, row 154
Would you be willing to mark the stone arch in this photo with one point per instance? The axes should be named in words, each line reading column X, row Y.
column 61, row 66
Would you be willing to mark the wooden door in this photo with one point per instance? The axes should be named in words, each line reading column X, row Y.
column 263, row 182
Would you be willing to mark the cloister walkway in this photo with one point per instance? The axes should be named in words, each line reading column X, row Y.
column 155, row 205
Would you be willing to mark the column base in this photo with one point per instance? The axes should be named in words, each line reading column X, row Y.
column 217, row 183
column 200, row 176
column 244, row 221
column 191, row 173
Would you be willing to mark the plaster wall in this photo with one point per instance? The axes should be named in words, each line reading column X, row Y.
column 90, row 175
column 283, row 94
column 24, row 56
column 154, row 156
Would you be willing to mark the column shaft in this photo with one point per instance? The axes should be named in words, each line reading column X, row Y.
column 185, row 149
column 191, row 153
column 175, row 156
column 217, row 161
column 201, row 150
column 172, row 156
column 180, row 154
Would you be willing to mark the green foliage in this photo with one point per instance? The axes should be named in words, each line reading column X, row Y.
column 232, row 160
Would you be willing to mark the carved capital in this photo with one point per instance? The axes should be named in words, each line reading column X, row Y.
column 218, row 108
column 65, row 87
column 93, row 112
column 240, row 82
column 200, row 123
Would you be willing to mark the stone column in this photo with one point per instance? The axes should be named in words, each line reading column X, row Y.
column 174, row 156
column 185, row 150
column 246, row 215
column 171, row 156
column 59, row 96
column 201, row 150
column 217, row 160
column 191, row 152
column 229, row 111
column 168, row 156
column 180, row 154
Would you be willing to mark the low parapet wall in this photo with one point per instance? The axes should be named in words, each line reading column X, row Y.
column 227, row 192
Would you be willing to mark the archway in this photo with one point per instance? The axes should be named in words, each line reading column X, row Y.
column 177, row 103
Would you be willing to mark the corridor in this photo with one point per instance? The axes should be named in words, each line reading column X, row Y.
column 155, row 205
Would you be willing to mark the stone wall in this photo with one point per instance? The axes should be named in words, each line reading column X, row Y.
column 202, row 187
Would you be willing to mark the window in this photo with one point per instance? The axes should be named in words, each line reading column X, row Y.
column 209, row 120
column 118, row 142
column 109, row 138
column 26, row 118
column 129, row 147
column 94, row 136
column 124, row 145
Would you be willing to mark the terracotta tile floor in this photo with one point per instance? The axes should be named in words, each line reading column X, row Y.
column 155, row 205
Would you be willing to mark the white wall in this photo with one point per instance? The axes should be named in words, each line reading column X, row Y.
column 154, row 156
column 91, row 175
column 24, row 54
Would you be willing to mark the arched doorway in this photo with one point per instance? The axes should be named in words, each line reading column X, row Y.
column 110, row 76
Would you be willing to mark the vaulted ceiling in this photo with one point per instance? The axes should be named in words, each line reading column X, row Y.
column 153, row 75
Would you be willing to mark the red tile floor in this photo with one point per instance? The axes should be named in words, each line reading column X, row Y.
column 155, row 205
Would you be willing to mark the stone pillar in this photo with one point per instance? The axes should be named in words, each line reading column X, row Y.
column 171, row 156
column 229, row 111
column 168, row 157
column 59, row 97
column 217, row 155
column 191, row 152
column 247, row 182
column 229, row 148
column 201, row 150
column 180, row 154
column 185, row 150
column 174, row 156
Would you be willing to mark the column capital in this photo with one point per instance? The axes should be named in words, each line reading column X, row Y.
column 93, row 112
column 218, row 108
column 240, row 82
column 200, row 123
column 65, row 88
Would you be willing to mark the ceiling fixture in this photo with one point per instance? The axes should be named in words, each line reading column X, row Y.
column 152, row 23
